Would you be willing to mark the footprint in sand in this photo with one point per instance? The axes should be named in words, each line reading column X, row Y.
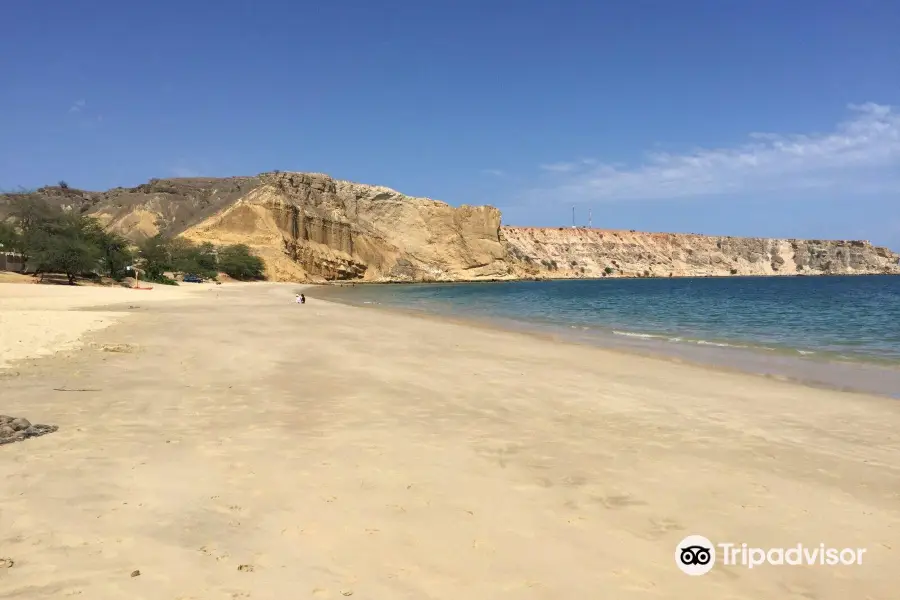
column 212, row 553
column 659, row 528
column 615, row 501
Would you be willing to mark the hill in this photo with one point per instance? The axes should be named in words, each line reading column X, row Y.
column 311, row 227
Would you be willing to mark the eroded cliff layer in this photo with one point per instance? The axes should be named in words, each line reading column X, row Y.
column 568, row 253
column 310, row 227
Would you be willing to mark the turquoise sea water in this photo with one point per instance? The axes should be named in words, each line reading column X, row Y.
column 792, row 326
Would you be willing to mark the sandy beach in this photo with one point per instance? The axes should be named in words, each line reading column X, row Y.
column 228, row 443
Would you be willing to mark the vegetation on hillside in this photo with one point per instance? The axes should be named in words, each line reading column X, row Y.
column 237, row 262
column 161, row 255
column 53, row 240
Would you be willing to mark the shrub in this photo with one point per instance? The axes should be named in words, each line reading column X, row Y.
column 237, row 261
column 156, row 258
column 162, row 279
column 188, row 258
column 54, row 241
column 115, row 251
column 182, row 256
column 58, row 242
column 608, row 270
column 70, row 254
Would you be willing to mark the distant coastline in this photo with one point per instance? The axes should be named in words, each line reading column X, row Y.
column 312, row 228
column 353, row 282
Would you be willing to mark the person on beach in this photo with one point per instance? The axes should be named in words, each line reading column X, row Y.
column 299, row 301
column 302, row 299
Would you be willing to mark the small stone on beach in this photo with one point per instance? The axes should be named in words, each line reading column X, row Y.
column 135, row 573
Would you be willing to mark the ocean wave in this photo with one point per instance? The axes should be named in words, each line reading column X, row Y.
column 717, row 344
column 642, row 335
column 654, row 336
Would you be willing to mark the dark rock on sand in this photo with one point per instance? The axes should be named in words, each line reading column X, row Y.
column 14, row 429
column 20, row 424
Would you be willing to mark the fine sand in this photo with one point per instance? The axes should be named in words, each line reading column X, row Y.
column 228, row 443
column 37, row 320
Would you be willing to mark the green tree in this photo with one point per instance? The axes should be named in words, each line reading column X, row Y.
column 115, row 253
column 189, row 258
column 33, row 216
column 10, row 240
column 185, row 256
column 207, row 260
column 73, row 255
column 58, row 242
column 157, row 258
column 54, row 240
column 238, row 262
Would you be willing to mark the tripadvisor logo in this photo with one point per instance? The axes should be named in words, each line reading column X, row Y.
column 696, row 555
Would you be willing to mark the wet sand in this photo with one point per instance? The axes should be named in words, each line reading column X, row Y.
column 237, row 445
column 823, row 369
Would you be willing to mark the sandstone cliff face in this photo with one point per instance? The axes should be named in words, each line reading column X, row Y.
column 567, row 253
column 310, row 227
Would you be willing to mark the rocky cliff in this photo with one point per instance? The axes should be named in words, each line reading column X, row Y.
column 310, row 227
column 568, row 253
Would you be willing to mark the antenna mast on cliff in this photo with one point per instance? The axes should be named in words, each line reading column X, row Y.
column 573, row 217
column 590, row 218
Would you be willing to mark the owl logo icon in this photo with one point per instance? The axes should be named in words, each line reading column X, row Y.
column 695, row 555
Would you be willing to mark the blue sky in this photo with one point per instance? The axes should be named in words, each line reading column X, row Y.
column 737, row 117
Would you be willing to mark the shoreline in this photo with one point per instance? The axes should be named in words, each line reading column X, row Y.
column 815, row 372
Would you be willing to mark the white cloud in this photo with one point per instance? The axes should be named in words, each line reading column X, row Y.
column 560, row 167
column 77, row 106
column 567, row 167
column 494, row 172
column 862, row 154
